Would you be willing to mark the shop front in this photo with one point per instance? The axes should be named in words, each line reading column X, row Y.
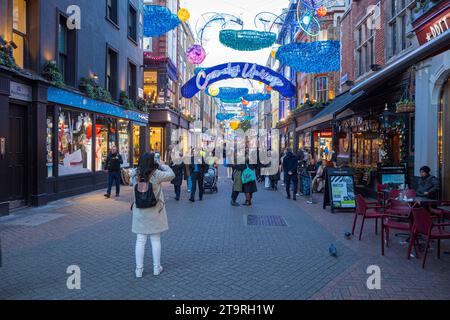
column 80, row 134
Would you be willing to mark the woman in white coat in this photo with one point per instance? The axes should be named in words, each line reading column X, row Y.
column 151, row 221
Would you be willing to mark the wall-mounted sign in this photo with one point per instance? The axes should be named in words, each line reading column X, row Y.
column 20, row 91
column 233, row 70
column 434, row 23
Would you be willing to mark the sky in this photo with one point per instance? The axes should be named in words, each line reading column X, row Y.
column 246, row 10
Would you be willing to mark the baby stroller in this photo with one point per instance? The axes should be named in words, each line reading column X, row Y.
column 210, row 180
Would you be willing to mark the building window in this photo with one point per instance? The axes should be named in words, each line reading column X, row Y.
column 19, row 30
column 151, row 85
column 132, row 87
column 112, row 11
column 132, row 22
column 111, row 72
column 400, row 15
column 364, row 47
column 321, row 88
column 66, row 51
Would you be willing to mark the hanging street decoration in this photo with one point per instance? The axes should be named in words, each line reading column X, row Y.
column 321, row 11
column 207, row 76
column 247, row 40
column 234, row 124
column 245, row 102
column 224, row 116
column 196, row 54
column 230, row 93
column 257, row 97
column 308, row 12
column 184, row 14
column 158, row 20
column 231, row 100
column 311, row 57
column 213, row 91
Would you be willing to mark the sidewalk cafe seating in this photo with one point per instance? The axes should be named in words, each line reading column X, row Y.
column 441, row 214
column 367, row 211
column 424, row 225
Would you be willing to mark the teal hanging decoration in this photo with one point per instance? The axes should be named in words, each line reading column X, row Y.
column 311, row 57
column 247, row 40
column 158, row 20
column 227, row 94
column 231, row 100
column 257, row 97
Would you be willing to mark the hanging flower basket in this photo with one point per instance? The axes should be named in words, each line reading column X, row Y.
column 406, row 106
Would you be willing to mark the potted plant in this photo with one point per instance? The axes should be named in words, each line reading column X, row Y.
column 51, row 73
column 6, row 54
column 405, row 106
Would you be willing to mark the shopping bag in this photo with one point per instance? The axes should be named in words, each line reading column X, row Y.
column 248, row 175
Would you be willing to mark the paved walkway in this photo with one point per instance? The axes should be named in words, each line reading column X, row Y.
column 209, row 253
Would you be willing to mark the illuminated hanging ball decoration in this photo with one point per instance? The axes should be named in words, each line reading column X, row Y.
column 213, row 91
column 321, row 11
column 184, row 14
column 245, row 102
column 268, row 88
column 196, row 54
column 235, row 124
column 243, row 113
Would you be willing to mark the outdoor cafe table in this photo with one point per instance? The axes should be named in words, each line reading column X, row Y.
column 417, row 201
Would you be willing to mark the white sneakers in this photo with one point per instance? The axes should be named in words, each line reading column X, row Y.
column 156, row 271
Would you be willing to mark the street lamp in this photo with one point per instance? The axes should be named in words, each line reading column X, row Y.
column 386, row 118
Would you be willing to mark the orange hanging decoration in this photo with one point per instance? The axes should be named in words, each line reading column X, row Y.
column 268, row 88
column 245, row 102
column 322, row 11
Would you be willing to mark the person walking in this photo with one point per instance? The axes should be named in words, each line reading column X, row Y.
column 290, row 169
column 198, row 168
column 178, row 169
column 151, row 221
column 250, row 187
column 237, row 182
column 112, row 166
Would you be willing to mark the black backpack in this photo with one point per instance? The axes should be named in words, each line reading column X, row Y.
column 144, row 200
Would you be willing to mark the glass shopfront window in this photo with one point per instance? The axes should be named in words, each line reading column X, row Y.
column 366, row 151
column 50, row 141
column 124, row 142
column 136, row 143
column 106, row 131
column 156, row 140
column 74, row 142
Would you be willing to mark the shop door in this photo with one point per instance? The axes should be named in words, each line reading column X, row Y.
column 17, row 155
column 445, row 140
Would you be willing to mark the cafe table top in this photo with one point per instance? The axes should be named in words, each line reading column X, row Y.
column 445, row 208
column 417, row 200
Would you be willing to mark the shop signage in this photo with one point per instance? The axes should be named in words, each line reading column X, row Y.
column 20, row 91
column 326, row 134
column 344, row 78
column 339, row 189
column 308, row 139
column 233, row 70
column 432, row 27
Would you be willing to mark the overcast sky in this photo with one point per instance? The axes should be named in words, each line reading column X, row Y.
column 245, row 10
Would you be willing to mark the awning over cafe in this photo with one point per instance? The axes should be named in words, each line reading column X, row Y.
column 341, row 102
column 431, row 48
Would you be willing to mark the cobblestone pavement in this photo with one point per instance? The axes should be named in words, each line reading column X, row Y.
column 209, row 253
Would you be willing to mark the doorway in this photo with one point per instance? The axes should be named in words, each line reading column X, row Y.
column 17, row 156
column 444, row 139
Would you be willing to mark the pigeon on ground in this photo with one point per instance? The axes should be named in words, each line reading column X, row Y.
column 332, row 250
column 348, row 235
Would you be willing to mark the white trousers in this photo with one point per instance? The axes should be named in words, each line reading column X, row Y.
column 141, row 240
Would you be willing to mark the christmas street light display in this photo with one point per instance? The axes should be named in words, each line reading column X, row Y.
column 158, row 20
column 311, row 57
column 257, row 97
column 247, row 40
column 196, row 54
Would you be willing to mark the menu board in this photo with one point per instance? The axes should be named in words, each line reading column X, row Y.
column 339, row 189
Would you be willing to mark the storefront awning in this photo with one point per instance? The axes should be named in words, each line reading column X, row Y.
column 341, row 102
column 431, row 48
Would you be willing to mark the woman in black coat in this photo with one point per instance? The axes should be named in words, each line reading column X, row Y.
column 178, row 169
column 249, row 188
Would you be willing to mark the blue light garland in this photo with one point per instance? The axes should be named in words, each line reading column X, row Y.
column 231, row 100
column 247, row 40
column 224, row 116
column 257, row 97
column 158, row 20
column 230, row 93
column 311, row 57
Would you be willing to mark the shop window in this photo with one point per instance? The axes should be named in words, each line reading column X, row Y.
column 111, row 72
column 106, row 132
column 132, row 22
column 124, row 142
column 74, row 142
column 136, row 144
column 150, row 85
column 111, row 12
column 19, row 30
column 321, row 88
column 156, row 140
column 66, row 51
column 50, row 141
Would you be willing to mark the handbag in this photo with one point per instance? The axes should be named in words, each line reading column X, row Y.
column 248, row 175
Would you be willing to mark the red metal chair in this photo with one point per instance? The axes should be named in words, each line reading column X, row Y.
column 440, row 214
column 398, row 217
column 367, row 212
column 380, row 194
column 423, row 224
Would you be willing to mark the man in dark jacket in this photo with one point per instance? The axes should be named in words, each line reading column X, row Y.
column 428, row 185
column 178, row 169
column 112, row 166
column 198, row 169
column 290, row 168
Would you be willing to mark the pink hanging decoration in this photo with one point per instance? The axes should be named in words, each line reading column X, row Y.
column 196, row 54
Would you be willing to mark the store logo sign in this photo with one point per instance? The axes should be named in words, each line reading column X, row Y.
column 20, row 92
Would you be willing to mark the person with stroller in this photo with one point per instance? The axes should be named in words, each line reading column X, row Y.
column 198, row 168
